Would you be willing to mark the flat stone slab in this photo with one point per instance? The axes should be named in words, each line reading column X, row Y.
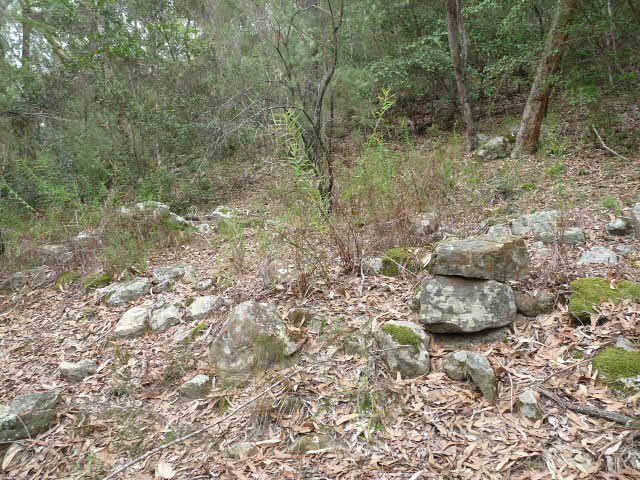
column 600, row 255
column 455, row 304
column 491, row 257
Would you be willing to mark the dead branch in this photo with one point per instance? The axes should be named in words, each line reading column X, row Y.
column 602, row 144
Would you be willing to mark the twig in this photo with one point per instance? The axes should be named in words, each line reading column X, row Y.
column 200, row 430
column 591, row 411
column 605, row 147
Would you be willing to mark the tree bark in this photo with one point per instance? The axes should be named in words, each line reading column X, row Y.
column 538, row 101
column 457, row 34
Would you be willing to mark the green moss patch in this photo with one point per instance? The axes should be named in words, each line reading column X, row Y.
column 67, row 278
column 617, row 363
column 95, row 280
column 403, row 335
column 396, row 259
column 589, row 292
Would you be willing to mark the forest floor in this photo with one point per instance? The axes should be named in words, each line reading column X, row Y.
column 357, row 421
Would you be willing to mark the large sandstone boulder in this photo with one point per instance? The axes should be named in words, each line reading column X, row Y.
column 488, row 257
column 454, row 304
column 254, row 338
column 28, row 415
column 404, row 347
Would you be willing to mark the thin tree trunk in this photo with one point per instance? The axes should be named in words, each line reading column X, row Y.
column 455, row 25
column 538, row 101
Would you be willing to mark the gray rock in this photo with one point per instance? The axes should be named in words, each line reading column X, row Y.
column 198, row 387
column 466, row 340
column 182, row 334
column 371, row 265
column 52, row 251
column 490, row 258
column 28, row 415
column 529, row 405
column 465, row 364
column 598, row 255
column 532, row 305
column 535, row 223
column 635, row 218
column 493, row 149
column 178, row 220
column 205, row 284
column 423, row 224
column 77, row 371
column 14, row 282
column 185, row 272
column 149, row 207
column 118, row 294
column 625, row 250
column 253, row 339
column 300, row 317
column 166, row 316
column 626, row 344
column 620, row 226
column 453, row 304
column 133, row 322
column 574, row 236
column 413, row 359
column 222, row 213
column 312, row 442
column 242, row 450
column 164, row 286
column 498, row 231
column 203, row 307
column 276, row 273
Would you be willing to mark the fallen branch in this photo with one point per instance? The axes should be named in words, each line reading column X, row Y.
column 605, row 147
column 591, row 411
column 200, row 430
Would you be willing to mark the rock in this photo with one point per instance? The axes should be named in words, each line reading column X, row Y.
column 118, row 294
column 493, row 149
column 625, row 250
column 423, row 224
column 205, row 284
column 454, row 341
column 311, row 443
column 535, row 223
column 165, row 316
column 620, row 226
column 185, row 334
column 498, row 231
column 78, row 370
column 598, row 255
column 626, row 344
column 254, row 338
column 198, row 387
column 396, row 260
column 95, row 280
column 465, row 364
column 203, row 307
column 28, row 415
column 14, row 282
column 176, row 222
column 532, row 305
column 635, row 219
column 222, row 213
column 275, row 273
column 371, row 265
column 185, row 272
column 299, row 317
column 52, row 253
column 453, row 304
column 589, row 292
column 571, row 236
column 150, row 208
column 484, row 257
column 411, row 362
column 164, row 286
column 242, row 450
column 529, row 405
column 84, row 239
column 133, row 322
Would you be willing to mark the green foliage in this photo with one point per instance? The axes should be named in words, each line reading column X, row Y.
column 397, row 260
column 95, row 280
column 611, row 203
column 557, row 169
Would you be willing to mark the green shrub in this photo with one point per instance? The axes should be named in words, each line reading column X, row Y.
column 396, row 260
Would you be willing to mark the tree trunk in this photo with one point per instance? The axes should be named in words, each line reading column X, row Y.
column 455, row 26
column 538, row 101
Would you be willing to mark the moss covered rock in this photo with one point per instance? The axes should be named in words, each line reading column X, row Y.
column 404, row 347
column 397, row 259
column 619, row 367
column 95, row 280
column 589, row 292
column 67, row 278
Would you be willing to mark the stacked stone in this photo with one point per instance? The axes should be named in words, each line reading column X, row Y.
column 466, row 291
